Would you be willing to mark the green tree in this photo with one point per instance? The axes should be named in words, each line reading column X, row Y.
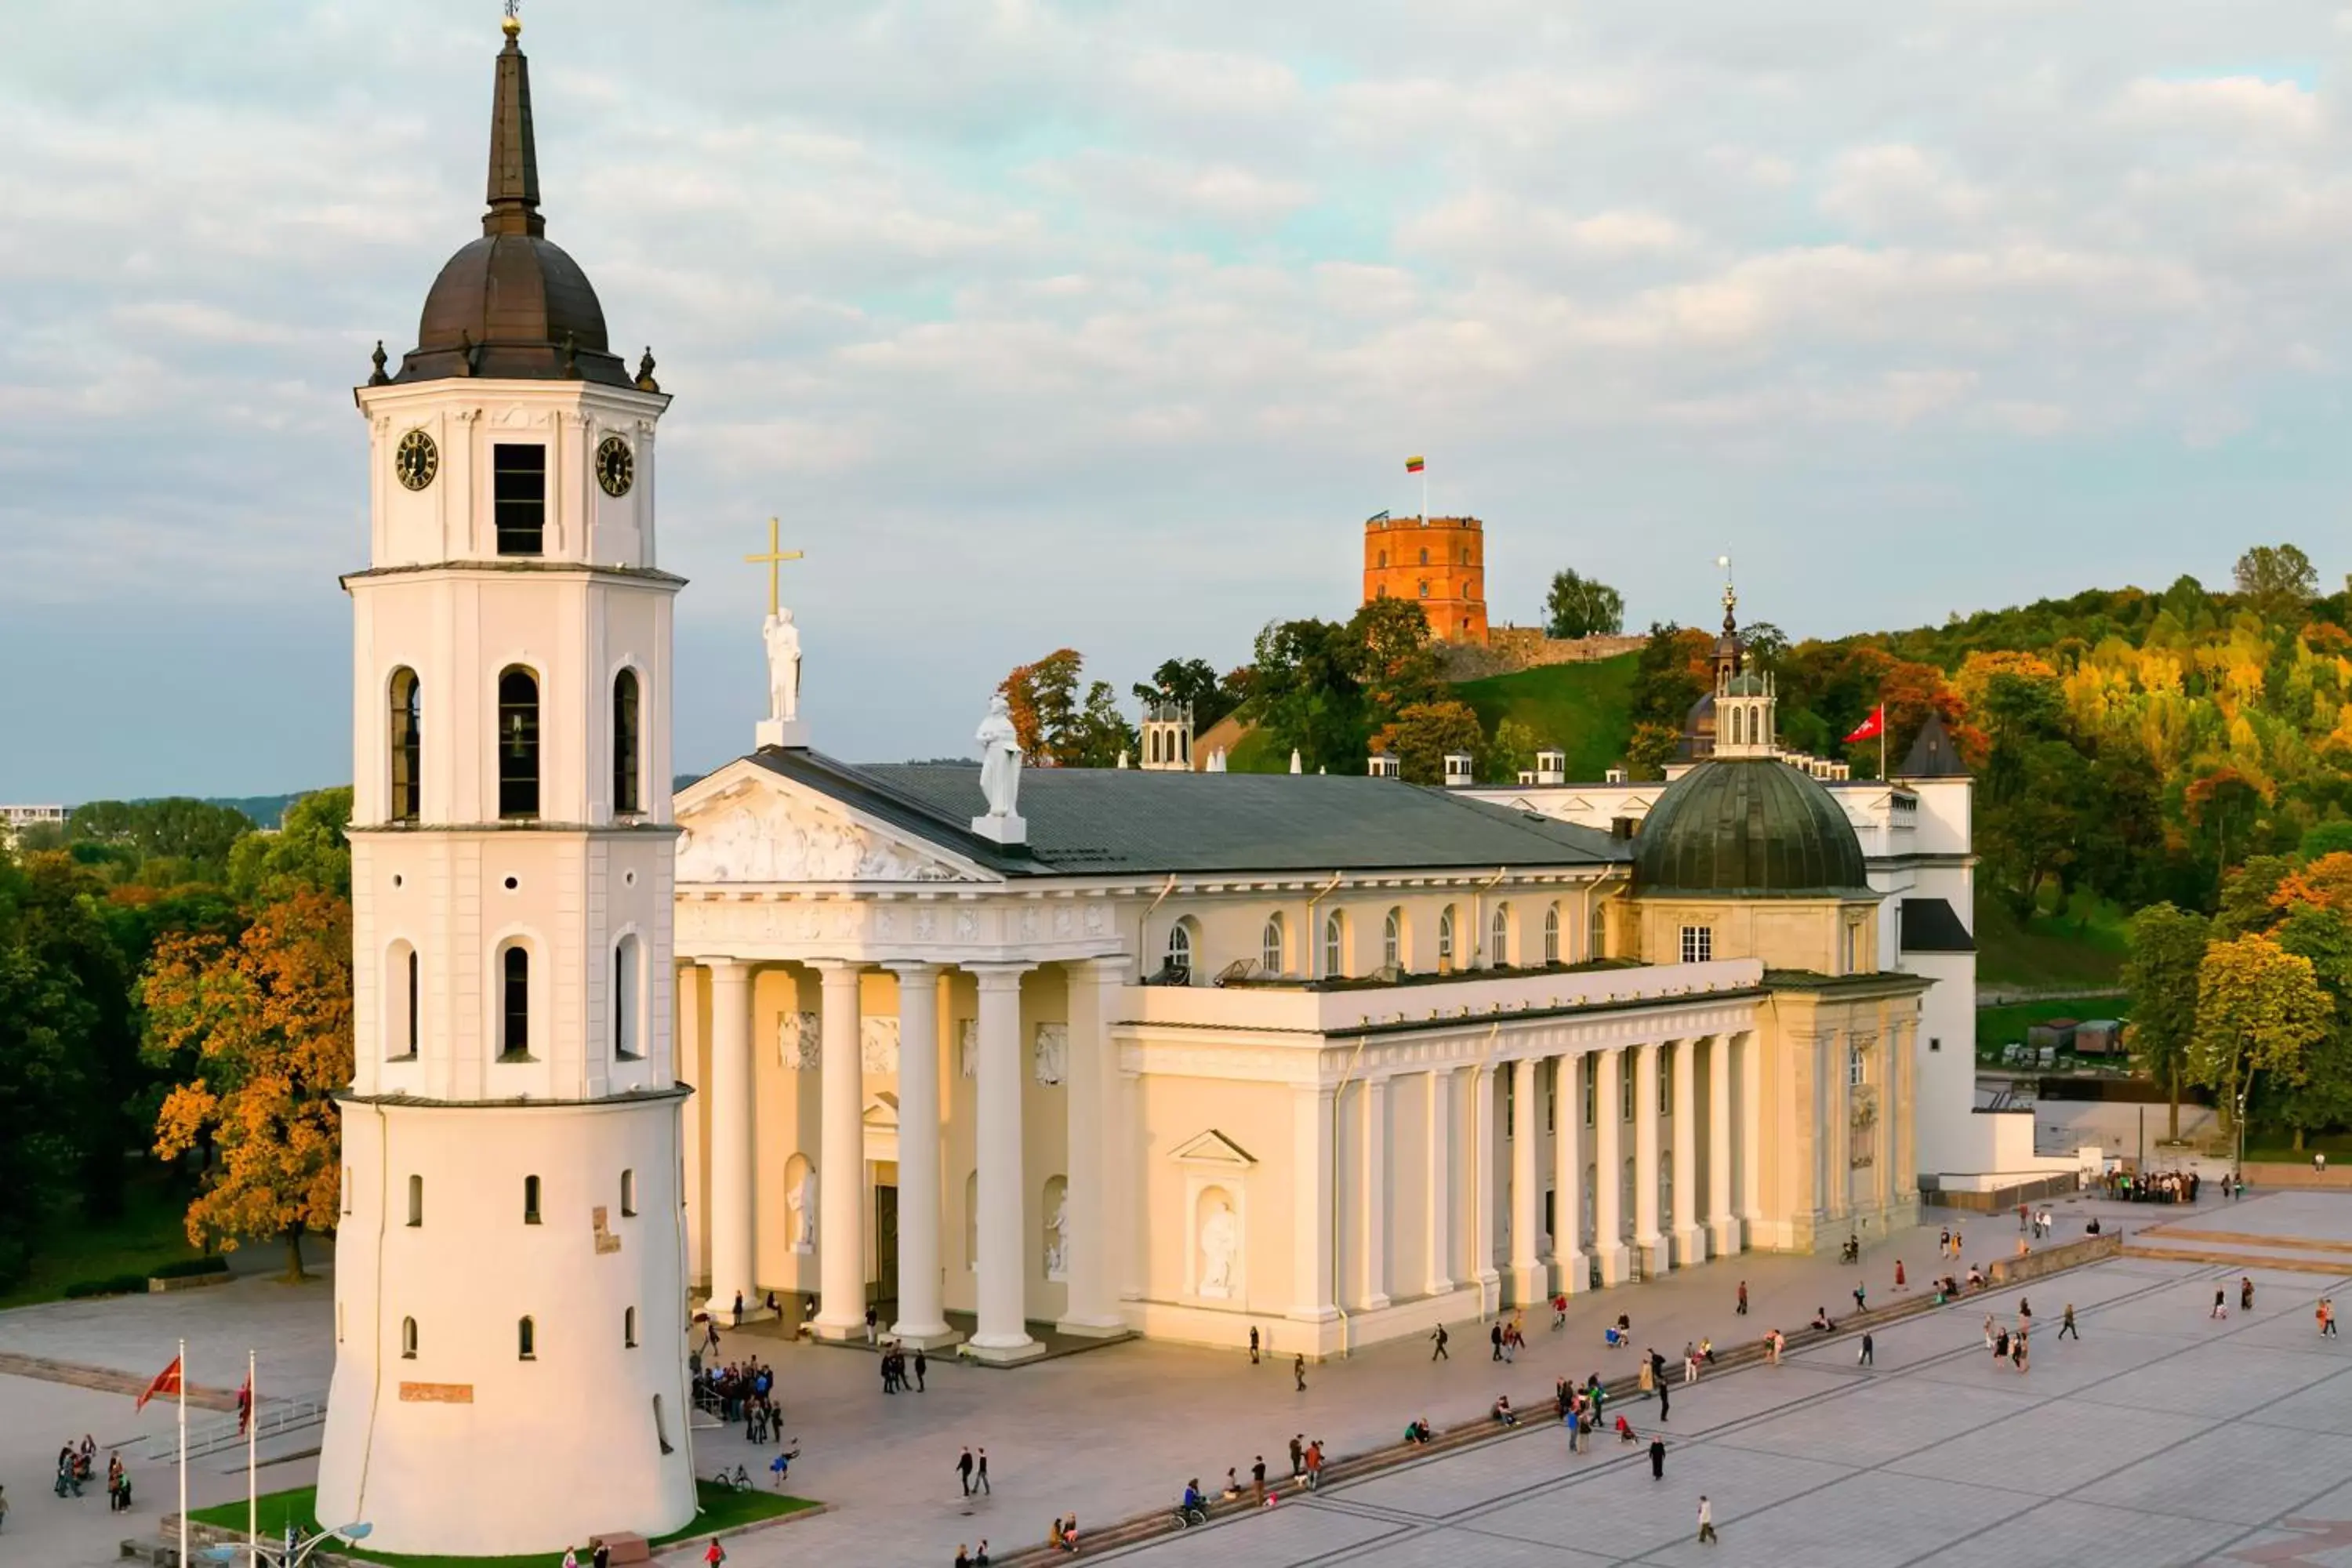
column 1101, row 731
column 307, row 851
column 1194, row 681
column 1653, row 746
column 46, row 1088
column 175, row 828
column 2250, row 897
column 2167, row 948
column 1670, row 674
column 2277, row 581
column 1581, row 606
column 2259, row 1009
column 2322, row 1097
column 1512, row 751
column 2331, row 838
column 1421, row 737
column 1306, row 695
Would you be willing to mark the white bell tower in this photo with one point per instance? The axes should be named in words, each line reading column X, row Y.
column 509, row 1301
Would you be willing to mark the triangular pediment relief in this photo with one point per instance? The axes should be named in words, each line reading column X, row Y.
column 755, row 827
column 1214, row 1148
column 882, row 1111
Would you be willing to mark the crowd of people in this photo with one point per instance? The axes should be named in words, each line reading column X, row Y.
column 77, row 1468
column 2162, row 1186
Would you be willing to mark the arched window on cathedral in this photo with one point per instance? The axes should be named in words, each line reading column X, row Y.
column 1498, row 938
column 402, row 980
column 629, row 1328
column 1334, row 946
column 1392, row 940
column 624, row 745
column 526, row 1340
column 530, row 1200
column 416, row 1200
column 1180, row 951
column 407, row 800
column 514, row 1003
column 628, row 1195
column 625, row 963
column 1446, row 941
column 1270, row 954
column 408, row 1339
column 517, row 743
column 1551, row 934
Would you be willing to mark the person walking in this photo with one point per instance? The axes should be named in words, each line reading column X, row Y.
column 921, row 1364
column 1495, row 1338
column 1254, row 1344
column 1707, row 1536
column 1657, row 1458
column 2245, row 1292
column 1257, row 1477
column 873, row 1322
column 2220, row 1303
column 715, row 1554
column 739, row 1310
column 1866, row 1359
column 1298, row 1457
column 963, row 1471
column 571, row 1558
column 1665, row 1398
column 1438, row 1339
column 1646, row 1380
column 2327, row 1321
column 1860, row 1305
column 1298, row 1370
column 1741, row 1309
column 2066, row 1325
column 1899, row 1286
column 979, row 1474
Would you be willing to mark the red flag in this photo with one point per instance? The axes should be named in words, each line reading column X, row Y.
column 244, row 1406
column 166, row 1382
column 1871, row 727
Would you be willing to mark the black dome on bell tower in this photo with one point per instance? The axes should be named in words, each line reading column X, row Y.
column 513, row 305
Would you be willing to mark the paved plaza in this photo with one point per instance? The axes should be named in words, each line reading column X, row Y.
column 2162, row 1436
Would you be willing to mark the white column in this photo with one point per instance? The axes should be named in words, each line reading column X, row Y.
column 841, row 1160
column 1004, row 1330
column 1837, row 1178
column 1311, row 1178
column 1722, row 1225
column 1751, row 1135
column 1900, row 1104
column 1528, row 1275
column 1130, row 1182
column 1482, row 1214
column 1690, row 1241
column 1647, row 1240
column 1372, row 1183
column 1608, row 1165
column 1567, row 1178
column 1442, row 1199
column 920, row 1128
column 731, row 1133
column 1094, row 990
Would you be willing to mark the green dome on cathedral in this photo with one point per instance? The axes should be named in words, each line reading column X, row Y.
column 1748, row 828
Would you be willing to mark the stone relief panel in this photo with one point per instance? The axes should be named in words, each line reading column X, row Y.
column 1050, row 1056
column 797, row 1036
column 878, row 1042
column 968, row 1047
column 780, row 839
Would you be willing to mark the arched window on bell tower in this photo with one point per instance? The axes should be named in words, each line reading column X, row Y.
column 624, row 745
column 514, row 1003
column 518, row 744
column 406, row 795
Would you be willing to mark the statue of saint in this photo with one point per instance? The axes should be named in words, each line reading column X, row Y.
column 1058, row 1242
column 1220, row 1240
column 801, row 1201
column 784, row 667
column 1000, row 759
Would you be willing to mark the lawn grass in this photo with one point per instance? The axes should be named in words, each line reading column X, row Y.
column 1585, row 709
column 2084, row 945
column 149, row 1233
column 721, row 1508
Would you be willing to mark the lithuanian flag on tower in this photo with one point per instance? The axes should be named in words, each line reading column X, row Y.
column 1414, row 465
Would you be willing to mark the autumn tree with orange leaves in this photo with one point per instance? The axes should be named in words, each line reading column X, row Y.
column 267, row 1020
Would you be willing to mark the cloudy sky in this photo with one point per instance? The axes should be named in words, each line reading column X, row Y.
column 1106, row 325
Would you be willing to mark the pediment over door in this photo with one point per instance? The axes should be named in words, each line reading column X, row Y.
column 1214, row 1149
column 761, row 834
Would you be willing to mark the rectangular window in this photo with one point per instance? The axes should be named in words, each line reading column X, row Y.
column 1667, row 1082
column 1510, row 1103
column 1584, row 1070
column 1935, row 1043
column 519, row 480
column 1698, row 944
column 1628, row 1068
column 1855, row 1073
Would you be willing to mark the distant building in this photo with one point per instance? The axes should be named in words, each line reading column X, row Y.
column 1439, row 561
column 15, row 819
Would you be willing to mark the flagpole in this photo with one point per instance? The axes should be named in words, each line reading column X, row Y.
column 252, row 1492
column 1882, row 734
column 183, row 1452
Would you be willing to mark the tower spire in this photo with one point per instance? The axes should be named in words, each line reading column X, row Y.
column 514, row 158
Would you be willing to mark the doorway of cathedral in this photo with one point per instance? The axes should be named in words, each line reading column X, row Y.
column 886, row 1244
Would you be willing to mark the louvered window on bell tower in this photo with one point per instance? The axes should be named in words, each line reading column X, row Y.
column 624, row 744
column 519, row 477
column 407, row 747
column 514, row 982
column 518, row 744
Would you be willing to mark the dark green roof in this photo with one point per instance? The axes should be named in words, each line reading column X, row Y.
column 1126, row 821
column 1748, row 828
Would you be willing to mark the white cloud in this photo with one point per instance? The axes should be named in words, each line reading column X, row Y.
column 2235, row 104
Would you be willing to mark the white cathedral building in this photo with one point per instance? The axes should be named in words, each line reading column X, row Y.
column 1116, row 1052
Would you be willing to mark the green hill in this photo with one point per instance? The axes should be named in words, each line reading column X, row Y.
column 1586, row 710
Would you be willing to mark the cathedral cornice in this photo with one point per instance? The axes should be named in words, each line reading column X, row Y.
column 649, row 575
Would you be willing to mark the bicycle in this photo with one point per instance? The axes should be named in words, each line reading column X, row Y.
column 738, row 1481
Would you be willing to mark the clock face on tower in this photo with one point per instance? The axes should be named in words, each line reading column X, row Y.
column 417, row 459
column 614, row 466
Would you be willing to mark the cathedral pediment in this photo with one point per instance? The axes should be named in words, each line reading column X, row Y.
column 752, row 831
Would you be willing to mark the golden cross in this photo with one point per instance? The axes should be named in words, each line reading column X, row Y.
column 773, row 560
